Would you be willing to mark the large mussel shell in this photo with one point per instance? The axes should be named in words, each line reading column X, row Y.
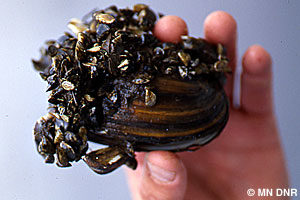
column 113, row 82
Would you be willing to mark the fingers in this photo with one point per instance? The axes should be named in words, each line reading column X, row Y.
column 162, row 176
column 220, row 27
column 169, row 29
column 256, row 88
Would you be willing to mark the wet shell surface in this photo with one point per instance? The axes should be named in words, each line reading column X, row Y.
column 111, row 81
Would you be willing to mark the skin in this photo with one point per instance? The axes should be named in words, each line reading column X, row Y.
column 247, row 154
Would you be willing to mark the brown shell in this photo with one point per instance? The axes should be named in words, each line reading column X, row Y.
column 187, row 113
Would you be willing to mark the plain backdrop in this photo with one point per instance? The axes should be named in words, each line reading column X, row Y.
column 25, row 25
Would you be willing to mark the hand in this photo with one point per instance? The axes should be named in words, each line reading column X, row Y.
column 246, row 155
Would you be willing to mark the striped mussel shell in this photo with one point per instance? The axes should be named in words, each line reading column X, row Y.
column 113, row 82
column 186, row 114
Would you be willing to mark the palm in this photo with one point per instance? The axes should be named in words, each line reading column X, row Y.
column 237, row 160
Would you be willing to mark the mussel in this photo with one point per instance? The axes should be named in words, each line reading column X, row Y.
column 114, row 83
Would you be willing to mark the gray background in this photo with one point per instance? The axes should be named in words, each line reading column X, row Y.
column 25, row 25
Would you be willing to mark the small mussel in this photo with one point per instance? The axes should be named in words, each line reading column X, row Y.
column 111, row 81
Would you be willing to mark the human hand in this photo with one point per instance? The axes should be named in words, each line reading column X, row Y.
column 246, row 155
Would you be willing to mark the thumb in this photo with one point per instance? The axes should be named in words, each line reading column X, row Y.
column 163, row 177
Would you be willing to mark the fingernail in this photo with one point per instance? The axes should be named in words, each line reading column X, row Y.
column 160, row 174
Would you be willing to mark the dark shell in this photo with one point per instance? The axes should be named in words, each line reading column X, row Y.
column 113, row 82
column 186, row 114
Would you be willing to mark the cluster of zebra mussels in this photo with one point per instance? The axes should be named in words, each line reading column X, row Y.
column 111, row 59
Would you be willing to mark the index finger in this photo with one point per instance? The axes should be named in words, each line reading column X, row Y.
column 170, row 29
column 220, row 27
